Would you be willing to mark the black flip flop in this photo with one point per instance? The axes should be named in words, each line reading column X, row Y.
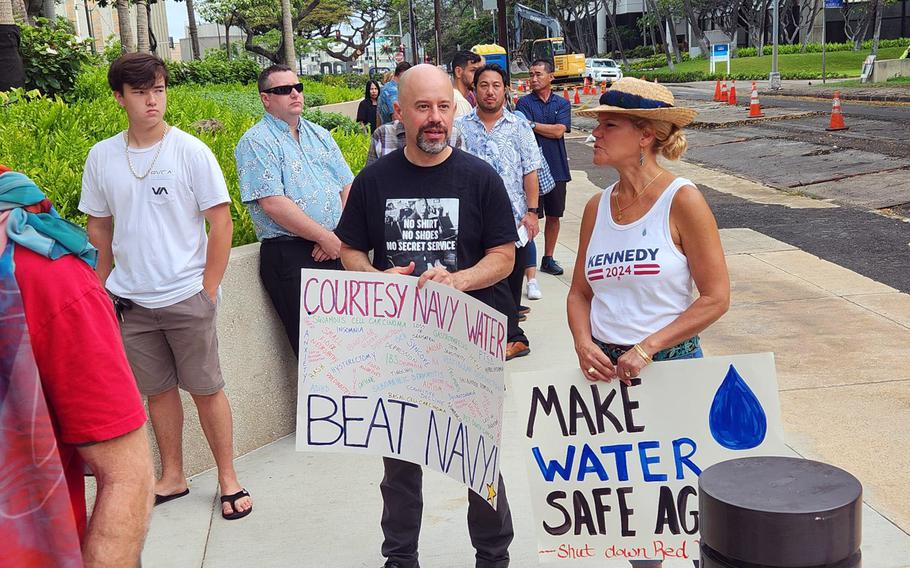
column 232, row 500
column 159, row 499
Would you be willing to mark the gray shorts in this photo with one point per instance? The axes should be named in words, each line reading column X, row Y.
column 174, row 346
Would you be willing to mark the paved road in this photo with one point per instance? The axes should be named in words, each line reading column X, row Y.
column 864, row 241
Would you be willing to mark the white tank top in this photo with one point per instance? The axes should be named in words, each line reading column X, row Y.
column 641, row 281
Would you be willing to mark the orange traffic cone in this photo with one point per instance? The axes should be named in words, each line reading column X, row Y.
column 587, row 90
column 731, row 98
column 717, row 98
column 565, row 93
column 837, row 117
column 724, row 95
column 603, row 87
column 576, row 99
column 754, row 105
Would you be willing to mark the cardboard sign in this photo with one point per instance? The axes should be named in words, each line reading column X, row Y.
column 614, row 469
column 414, row 374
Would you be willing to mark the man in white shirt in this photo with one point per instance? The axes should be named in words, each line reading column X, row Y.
column 464, row 64
column 162, row 185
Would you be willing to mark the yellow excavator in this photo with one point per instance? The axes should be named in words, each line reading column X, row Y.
column 567, row 66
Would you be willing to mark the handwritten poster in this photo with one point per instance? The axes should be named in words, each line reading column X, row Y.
column 393, row 370
column 614, row 469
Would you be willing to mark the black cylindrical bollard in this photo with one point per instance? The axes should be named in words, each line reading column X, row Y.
column 774, row 512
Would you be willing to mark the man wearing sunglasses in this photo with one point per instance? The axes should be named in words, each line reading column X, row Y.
column 294, row 182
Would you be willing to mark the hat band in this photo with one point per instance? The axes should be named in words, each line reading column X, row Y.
column 630, row 101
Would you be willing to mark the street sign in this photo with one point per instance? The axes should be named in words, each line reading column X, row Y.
column 834, row 3
column 720, row 52
column 399, row 57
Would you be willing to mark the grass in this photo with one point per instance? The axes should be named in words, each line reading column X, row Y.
column 844, row 63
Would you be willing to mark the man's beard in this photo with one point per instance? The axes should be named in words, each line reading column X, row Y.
column 494, row 108
column 432, row 147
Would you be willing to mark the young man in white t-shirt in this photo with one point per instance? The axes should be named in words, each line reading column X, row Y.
column 148, row 192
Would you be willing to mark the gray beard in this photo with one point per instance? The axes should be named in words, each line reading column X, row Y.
column 431, row 147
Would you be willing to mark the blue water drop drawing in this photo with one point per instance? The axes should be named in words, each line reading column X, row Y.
column 737, row 419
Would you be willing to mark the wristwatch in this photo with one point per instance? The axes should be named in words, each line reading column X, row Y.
column 533, row 209
column 533, row 125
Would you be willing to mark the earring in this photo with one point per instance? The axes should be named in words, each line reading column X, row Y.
column 641, row 157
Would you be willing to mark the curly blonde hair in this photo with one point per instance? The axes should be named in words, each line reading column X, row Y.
column 669, row 139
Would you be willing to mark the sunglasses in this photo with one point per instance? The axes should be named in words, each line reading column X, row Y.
column 284, row 89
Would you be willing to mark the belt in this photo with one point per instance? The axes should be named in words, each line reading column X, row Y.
column 614, row 351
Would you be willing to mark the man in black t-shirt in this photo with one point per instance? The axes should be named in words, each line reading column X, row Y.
column 446, row 208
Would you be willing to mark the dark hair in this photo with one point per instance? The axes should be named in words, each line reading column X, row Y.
column 489, row 67
column 546, row 63
column 401, row 68
column 463, row 58
column 366, row 90
column 138, row 70
column 263, row 81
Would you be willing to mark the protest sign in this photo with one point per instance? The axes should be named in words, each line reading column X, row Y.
column 390, row 369
column 614, row 469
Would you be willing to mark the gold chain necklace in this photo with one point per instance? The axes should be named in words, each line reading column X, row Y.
column 638, row 194
column 129, row 162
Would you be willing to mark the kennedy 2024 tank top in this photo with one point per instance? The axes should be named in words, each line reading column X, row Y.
column 641, row 280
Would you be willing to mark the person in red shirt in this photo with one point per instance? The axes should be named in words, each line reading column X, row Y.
column 67, row 398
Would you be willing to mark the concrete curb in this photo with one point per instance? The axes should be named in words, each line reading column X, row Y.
column 845, row 95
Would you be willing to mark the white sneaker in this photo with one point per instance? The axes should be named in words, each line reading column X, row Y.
column 534, row 292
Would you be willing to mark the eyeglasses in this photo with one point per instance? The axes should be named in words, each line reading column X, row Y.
column 284, row 89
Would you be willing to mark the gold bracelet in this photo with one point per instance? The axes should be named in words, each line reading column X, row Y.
column 642, row 353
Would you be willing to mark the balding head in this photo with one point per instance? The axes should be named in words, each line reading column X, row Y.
column 424, row 80
column 426, row 105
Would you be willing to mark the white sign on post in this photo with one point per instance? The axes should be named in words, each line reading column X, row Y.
column 720, row 52
column 614, row 469
column 414, row 374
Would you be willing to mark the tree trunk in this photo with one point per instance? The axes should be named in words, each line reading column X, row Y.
column 227, row 39
column 6, row 12
column 194, row 31
column 287, row 35
column 662, row 28
column 20, row 12
column 127, row 43
column 692, row 19
column 49, row 10
column 674, row 43
column 877, row 33
column 612, row 15
column 142, row 26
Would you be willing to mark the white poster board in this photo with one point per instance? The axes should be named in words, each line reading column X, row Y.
column 414, row 374
column 720, row 53
column 614, row 469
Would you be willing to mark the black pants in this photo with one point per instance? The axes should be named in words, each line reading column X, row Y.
column 507, row 295
column 280, row 261
column 402, row 509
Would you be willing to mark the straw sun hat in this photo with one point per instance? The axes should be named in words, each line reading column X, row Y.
column 634, row 97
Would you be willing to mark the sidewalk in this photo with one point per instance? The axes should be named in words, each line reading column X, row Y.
column 840, row 341
column 816, row 90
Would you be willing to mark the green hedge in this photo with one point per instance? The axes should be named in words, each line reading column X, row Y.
column 789, row 49
column 690, row 76
column 49, row 139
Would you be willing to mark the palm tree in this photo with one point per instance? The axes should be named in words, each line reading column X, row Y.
column 142, row 26
column 287, row 35
column 194, row 31
column 127, row 42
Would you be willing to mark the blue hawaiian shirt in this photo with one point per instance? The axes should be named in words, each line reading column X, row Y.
column 311, row 174
column 387, row 95
column 510, row 147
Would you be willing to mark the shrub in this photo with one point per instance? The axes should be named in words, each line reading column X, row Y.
column 214, row 68
column 52, row 56
column 790, row 49
column 49, row 139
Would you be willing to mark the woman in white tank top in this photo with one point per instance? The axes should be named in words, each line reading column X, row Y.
column 647, row 243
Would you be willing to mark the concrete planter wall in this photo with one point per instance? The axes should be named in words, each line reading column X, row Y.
column 887, row 68
column 259, row 368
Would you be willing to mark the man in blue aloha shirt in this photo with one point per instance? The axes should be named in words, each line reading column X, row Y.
column 507, row 143
column 294, row 182
column 389, row 94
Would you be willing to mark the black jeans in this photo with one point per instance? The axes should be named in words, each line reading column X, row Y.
column 507, row 295
column 402, row 510
column 280, row 261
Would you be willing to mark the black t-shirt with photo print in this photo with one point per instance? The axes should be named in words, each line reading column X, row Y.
column 444, row 215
